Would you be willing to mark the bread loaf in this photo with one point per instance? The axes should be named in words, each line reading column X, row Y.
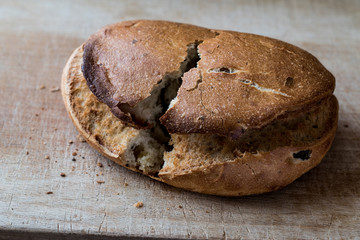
column 211, row 111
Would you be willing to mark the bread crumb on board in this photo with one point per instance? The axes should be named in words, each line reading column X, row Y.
column 41, row 87
column 100, row 164
column 49, row 192
column 47, row 157
column 100, row 181
column 71, row 141
column 80, row 138
column 55, row 89
column 63, row 174
column 74, row 154
column 139, row 204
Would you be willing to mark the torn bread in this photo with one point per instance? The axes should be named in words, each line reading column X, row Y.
column 248, row 160
column 127, row 64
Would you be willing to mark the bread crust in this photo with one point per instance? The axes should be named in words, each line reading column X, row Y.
column 253, row 173
column 269, row 78
column 242, row 81
column 123, row 56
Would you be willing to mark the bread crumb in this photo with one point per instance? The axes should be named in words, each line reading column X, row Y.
column 72, row 168
column 180, row 206
column 63, row 174
column 207, row 211
column 42, row 108
column 100, row 164
column 49, row 193
column 27, row 153
column 55, row 129
column 73, row 159
column 126, row 184
column 139, row 205
column 74, row 154
column 54, row 89
column 71, row 141
column 168, row 209
column 97, row 174
column 80, row 138
column 346, row 125
column 47, row 157
column 36, row 114
column 42, row 87
column 100, row 181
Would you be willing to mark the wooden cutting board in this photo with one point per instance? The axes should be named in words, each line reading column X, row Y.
column 37, row 37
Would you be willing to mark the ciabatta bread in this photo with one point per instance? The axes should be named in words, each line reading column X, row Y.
column 215, row 112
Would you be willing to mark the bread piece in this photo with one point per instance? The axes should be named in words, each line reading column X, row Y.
column 155, row 53
column 261, row 160
column 100, row 128
column 266, row 77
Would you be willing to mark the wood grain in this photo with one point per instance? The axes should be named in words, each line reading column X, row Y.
column 37, row 37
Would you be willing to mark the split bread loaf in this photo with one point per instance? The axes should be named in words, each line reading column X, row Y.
column 210, row 111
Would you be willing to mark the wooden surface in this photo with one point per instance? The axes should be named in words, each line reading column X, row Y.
column 37, row 37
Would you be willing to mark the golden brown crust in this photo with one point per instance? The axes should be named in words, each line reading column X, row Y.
column 242, row 81
column 253, row 173
column 124, row 61
column 245, row 81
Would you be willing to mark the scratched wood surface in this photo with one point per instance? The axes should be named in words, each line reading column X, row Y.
column 37, row 37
